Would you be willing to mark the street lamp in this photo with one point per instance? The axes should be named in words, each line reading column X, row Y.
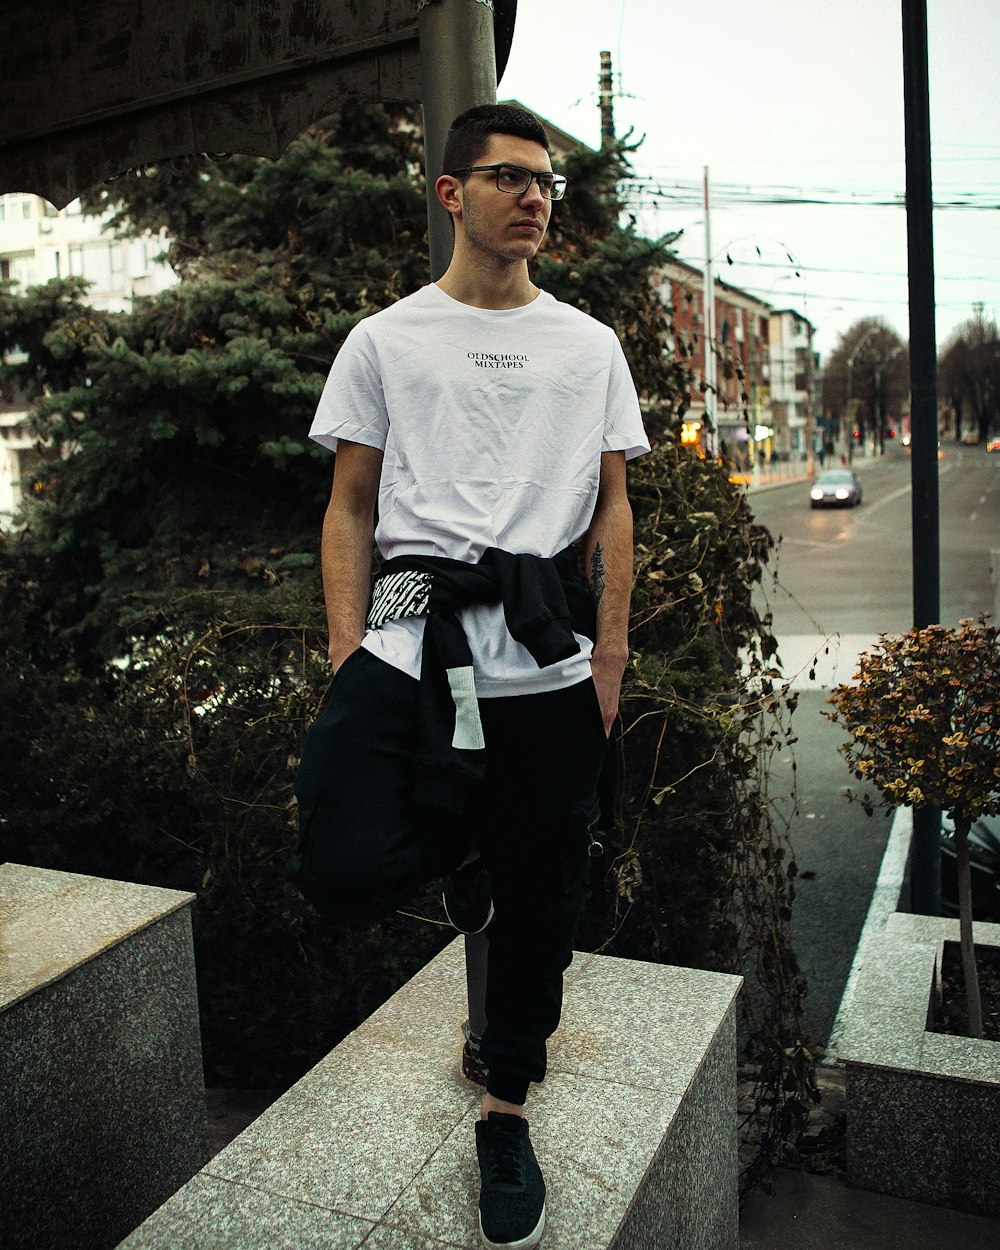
column 879, row 366
column 850, row 365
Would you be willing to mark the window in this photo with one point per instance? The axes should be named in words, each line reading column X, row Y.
column 18, row 267
column 26, row 207
column 75, row 260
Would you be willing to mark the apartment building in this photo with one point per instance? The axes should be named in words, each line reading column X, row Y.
column 793, row 370
column 741, row 350
column 38, row 243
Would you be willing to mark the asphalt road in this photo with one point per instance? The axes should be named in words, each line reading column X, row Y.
column 841, row 578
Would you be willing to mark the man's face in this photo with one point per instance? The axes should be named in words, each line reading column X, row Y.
column 499, row 225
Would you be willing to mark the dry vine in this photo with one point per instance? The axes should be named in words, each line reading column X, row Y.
column 703, row 875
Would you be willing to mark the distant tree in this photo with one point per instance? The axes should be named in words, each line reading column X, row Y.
column 969, row 375
column 866, row 379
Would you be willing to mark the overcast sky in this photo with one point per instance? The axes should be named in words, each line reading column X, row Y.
column 797, row 99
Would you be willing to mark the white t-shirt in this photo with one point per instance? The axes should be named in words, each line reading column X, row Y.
column 492, row 423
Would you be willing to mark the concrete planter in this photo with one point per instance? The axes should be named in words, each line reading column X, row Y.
column 923, row 1109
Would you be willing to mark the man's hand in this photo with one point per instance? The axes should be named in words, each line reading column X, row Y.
column 608, row 668
column 607, row 547
column 339, row 652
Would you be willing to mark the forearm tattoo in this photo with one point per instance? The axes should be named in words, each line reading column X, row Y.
column 597, row 573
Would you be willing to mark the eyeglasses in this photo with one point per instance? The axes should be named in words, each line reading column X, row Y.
column 515, row 179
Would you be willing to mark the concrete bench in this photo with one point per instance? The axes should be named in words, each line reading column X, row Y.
column 102, row 1100
column 635, row 1128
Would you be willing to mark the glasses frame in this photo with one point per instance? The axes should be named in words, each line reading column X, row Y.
column 559, row 181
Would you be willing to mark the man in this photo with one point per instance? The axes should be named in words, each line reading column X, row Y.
column 469, row 714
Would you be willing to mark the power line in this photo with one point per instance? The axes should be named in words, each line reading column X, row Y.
column 658, row 198
column 874, row 273
column 645, row 192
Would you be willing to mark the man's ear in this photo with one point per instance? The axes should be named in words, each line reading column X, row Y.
column 448, row 190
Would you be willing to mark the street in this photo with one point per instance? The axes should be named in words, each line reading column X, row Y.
column 841, row 577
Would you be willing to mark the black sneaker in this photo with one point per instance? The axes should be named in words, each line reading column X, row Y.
column 512, row 1196
column 468, row 899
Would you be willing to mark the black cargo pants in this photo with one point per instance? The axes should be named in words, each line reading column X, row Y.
column 366, row 848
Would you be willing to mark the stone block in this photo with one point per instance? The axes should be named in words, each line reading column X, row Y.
column 634, row 1126
column 101, row 1085
column 922, row 1107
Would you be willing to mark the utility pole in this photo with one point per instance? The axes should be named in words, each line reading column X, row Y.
column 810, row 416
column 926, row 852
column 708, row 302
column 457, row 71
column 607, row 102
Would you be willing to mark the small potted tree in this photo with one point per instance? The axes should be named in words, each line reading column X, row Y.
column 924, row 713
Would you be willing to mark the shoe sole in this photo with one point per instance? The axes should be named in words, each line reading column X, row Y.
column 526, row 1243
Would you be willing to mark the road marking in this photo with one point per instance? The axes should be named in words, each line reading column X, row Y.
column 815, row 662
column 805, row 542
column 871, row 508
column 884, row 901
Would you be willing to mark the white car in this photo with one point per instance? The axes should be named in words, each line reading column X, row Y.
column 835, row 488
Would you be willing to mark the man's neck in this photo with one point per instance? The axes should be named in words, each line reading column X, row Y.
column 483, row 286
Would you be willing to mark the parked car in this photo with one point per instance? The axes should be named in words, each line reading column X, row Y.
column 837, row 488
column 984, row 864
column 993, row 444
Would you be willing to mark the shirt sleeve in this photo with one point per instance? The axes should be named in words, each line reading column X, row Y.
column 623, row 430
column 352, row 405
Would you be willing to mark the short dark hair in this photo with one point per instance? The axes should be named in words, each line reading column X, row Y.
column 470, row 132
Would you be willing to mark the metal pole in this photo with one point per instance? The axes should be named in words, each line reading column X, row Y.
column 708, row 303
column 810, row 415
column 925, row 864
column 457, row 71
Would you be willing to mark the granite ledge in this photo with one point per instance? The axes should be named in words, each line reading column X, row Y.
column 887, row 1027
column 52, row 922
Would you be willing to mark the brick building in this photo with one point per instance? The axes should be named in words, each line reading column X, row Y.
column 742, row 349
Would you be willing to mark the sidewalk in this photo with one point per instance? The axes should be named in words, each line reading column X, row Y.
column 825, row 1213
column 788, row 472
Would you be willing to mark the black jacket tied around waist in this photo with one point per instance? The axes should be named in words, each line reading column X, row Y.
column 545, row 601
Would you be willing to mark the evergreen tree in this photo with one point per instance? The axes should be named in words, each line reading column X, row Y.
column 183, row 423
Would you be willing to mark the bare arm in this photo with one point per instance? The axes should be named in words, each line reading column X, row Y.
column 607, row 549
column 348, row 530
